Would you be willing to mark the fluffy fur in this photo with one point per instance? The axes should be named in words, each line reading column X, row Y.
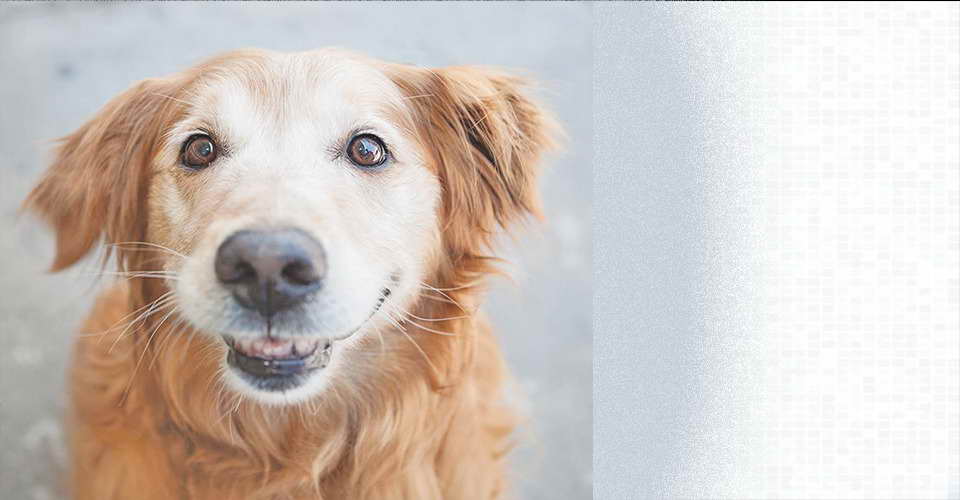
column 412, row 406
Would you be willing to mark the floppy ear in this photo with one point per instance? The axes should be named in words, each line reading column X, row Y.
column 485, row 137
column 97, row 183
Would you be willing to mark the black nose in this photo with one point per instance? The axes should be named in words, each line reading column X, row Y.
column 270, row 270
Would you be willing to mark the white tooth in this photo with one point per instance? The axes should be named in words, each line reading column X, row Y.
column 265, row 348
column 304, row 346
column 278, row 347
column 244, row 345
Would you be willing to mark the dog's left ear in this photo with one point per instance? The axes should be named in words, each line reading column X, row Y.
column 96, row 186
column 485, row 137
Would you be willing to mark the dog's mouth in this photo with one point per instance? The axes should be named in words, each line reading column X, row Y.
column 280, row 364
column 277, row 364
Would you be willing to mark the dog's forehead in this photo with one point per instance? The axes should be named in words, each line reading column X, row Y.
column 275, row 88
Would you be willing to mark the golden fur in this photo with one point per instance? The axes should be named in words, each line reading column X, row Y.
column 149, row 416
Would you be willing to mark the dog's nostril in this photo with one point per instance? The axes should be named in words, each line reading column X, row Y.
column 300, row 273
column 242, row 271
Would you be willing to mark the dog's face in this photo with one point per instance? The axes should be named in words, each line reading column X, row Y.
column 302, row 201
column 301, row 205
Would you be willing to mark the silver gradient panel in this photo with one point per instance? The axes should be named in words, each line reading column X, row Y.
column 776, row 251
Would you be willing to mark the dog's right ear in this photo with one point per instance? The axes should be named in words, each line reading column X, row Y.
column 97, row 184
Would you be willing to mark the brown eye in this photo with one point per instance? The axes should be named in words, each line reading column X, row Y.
column 198, row 152
column 367, row 150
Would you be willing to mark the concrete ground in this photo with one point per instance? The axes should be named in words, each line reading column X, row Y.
column 61, row 62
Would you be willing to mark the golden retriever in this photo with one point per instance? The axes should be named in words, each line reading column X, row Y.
column 301, row 240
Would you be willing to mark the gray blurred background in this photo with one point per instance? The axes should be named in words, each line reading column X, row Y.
column 61, row 62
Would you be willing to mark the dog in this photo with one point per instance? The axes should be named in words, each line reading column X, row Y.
column 301, row 243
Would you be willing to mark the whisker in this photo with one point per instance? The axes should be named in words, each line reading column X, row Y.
column 407, row 320
column 120, row 323
column 430, row 287
column 136, row 368
column 157, row 308
column 394, row 321
column 239, row 402
column 122, row 244
column 425, row 357
column 172, row 276
column 229, row 407
column 445, row 295
column 451, row 318
column 164, row 299
column 230, row 416
column 220, row 388
column 132, row 273
column 441, row 299
column 166, row 341
column 438, row 332
column 152, row 335
column 403, row 330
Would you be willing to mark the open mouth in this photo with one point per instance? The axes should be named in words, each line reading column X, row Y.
column 275, row 365
column 272, row 364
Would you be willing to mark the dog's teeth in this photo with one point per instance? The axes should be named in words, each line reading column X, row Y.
column 276, row 348
column 256, row 346
column 244, row 345
column 271, row 348
column 305, row 346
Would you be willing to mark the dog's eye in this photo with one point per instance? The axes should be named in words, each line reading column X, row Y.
column 198, row 152
column 367, row 151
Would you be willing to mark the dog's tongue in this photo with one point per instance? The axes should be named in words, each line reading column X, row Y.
column 270, row 348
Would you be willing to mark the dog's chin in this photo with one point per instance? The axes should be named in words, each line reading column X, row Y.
column 277, row 372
